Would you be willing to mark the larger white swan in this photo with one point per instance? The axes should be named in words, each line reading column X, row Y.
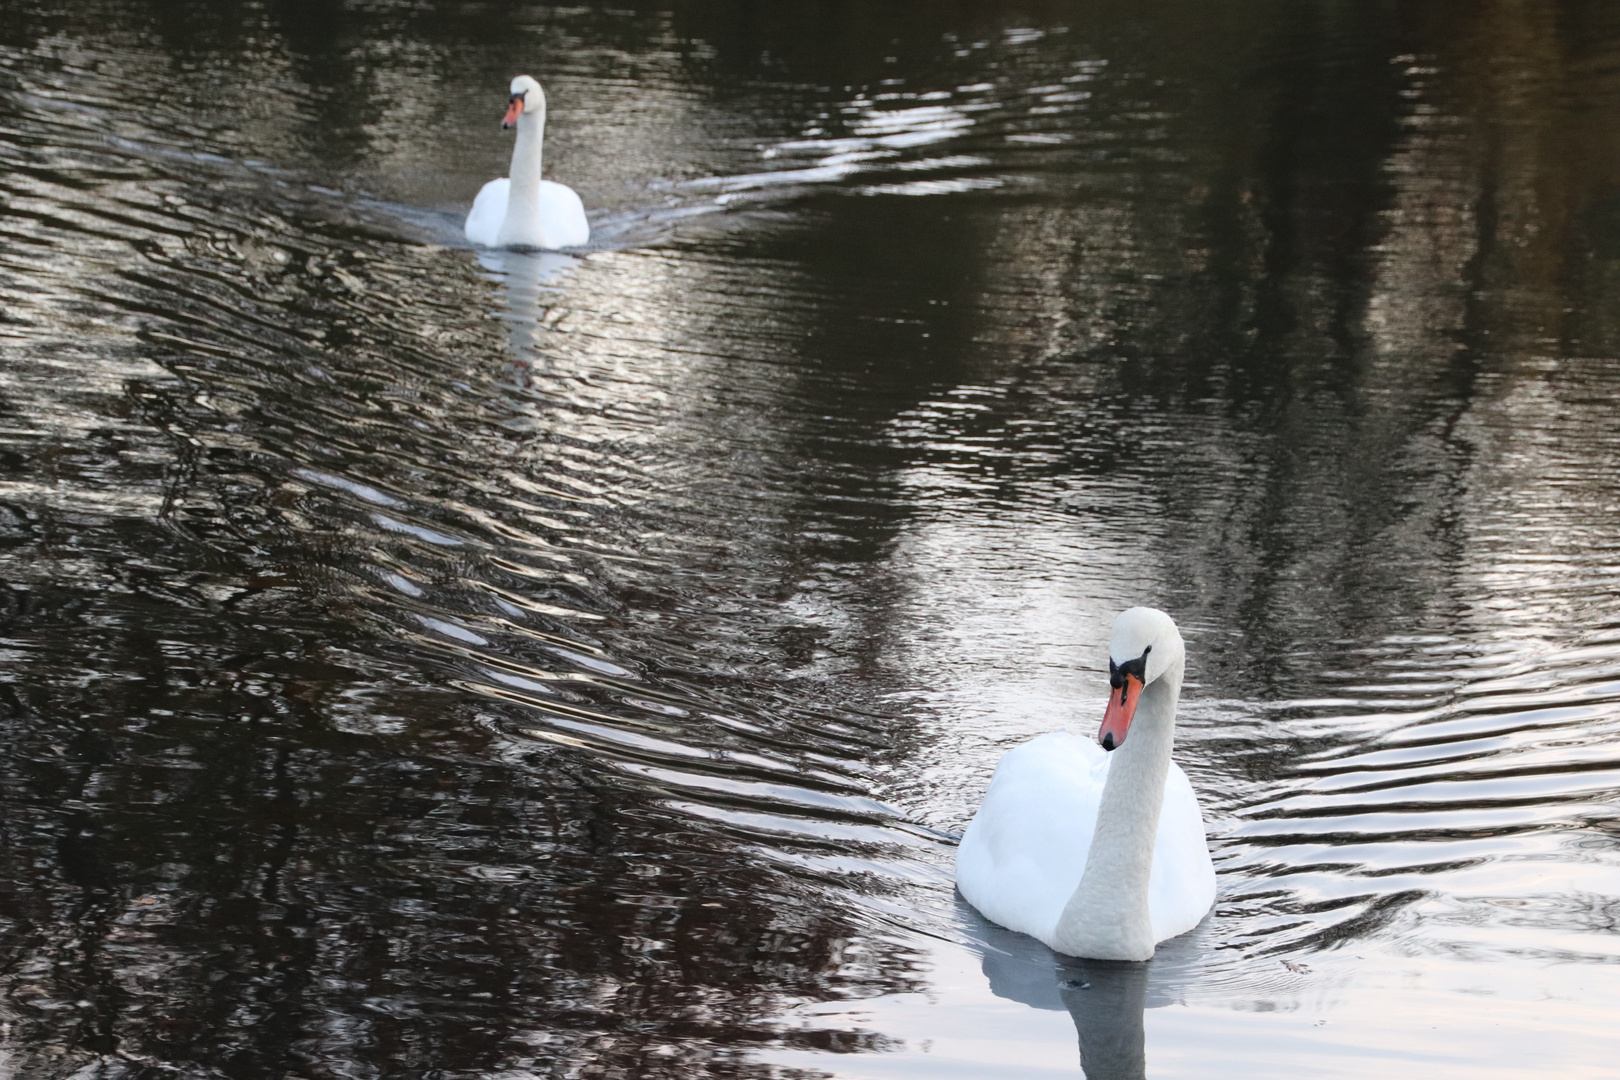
column 524, row 211
column 1098, row 854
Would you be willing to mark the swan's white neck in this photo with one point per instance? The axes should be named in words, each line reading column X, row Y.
column 521, row 226
column 1107, row 917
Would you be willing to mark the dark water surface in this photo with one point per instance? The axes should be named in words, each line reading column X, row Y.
column 425, row 663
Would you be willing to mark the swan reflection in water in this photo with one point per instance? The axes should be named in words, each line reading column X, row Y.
column 1106, row 999
column 533, row 282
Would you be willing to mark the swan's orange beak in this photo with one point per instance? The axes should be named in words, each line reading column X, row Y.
column 1121, row 707
column 513, row 109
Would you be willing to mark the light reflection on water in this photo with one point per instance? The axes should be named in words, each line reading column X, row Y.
column 427, row 662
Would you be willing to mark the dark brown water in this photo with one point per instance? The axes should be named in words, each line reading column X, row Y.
column 425, row 663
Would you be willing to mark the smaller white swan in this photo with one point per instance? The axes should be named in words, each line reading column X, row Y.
column 1098, row 854
column 524, row 211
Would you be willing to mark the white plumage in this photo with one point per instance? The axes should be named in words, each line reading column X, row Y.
column 1023, row 854
column 524, row 211
column 1096, row 853
column 561, row 216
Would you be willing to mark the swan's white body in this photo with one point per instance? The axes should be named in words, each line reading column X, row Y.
column 1097, row 854
column 524, row 211
column 1021, row 858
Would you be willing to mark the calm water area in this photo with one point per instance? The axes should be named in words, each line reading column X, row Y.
column 420, row 662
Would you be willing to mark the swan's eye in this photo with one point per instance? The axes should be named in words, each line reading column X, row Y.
column 1137, row 667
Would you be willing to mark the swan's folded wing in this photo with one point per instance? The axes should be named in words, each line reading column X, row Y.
column 562, row 216
column 1023, row 854
column 1181, row 888
column 488, row 211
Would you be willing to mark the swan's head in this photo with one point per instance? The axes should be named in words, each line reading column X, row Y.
column 1144, row 645
column 526, row 97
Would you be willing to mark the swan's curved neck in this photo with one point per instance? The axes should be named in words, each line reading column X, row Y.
column 1107, row 917
column 522, row 221
column 531, row 137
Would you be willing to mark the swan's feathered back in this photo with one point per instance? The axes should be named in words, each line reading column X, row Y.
column 1023, row 854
